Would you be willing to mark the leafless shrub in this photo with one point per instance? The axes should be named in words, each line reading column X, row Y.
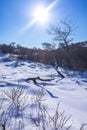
column 39, row 117
column 60, row 120
column 17, row 103
column 83, row 126
column 39, row 96
column 43, row 119
column 17, row 97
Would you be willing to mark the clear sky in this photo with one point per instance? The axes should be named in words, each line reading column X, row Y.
column 16, row 15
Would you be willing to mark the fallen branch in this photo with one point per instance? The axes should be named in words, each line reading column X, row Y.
column 38, row 78
column 59, row 73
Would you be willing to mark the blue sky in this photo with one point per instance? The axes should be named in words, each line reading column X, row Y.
column 16, row 14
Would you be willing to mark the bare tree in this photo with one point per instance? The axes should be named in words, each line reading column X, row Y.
column 63, row 33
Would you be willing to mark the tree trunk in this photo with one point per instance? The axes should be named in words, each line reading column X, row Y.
column 59, row 73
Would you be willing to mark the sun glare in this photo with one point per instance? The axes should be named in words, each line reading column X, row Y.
column 41, row 15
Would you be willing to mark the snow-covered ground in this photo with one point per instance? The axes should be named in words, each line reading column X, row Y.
column 71, row 91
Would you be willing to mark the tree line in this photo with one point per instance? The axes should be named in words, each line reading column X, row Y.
column 76, row 59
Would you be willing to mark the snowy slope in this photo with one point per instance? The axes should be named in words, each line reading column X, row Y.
column 71, row 91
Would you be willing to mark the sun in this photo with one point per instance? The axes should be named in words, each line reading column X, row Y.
column 41, row 15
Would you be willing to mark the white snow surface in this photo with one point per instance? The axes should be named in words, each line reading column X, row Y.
column 71, row 91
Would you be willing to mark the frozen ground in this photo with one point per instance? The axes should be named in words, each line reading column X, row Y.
column 71, row 91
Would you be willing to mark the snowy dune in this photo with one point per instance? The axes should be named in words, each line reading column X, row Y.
column 71, row 91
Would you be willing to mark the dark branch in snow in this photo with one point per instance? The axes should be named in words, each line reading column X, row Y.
column 38, row 78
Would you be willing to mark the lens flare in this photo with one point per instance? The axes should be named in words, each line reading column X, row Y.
column 41, row 14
